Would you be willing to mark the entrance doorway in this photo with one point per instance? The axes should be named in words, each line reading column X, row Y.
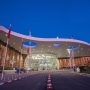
column 41, row 62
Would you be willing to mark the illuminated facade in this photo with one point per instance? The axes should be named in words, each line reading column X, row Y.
column 42, row 53
column 42, row 62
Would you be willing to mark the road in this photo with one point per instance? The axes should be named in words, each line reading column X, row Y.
column 33, row 82
column 61, row 80
column 70, row 81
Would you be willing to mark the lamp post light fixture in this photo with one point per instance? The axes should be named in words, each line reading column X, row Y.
column 69, row 52
column 71, row 55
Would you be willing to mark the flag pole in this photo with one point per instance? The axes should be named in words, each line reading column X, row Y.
column 20, row 58
column 13, row 61
column 70, row 59
column 73, row 58
column 72, row 53
column 5, row 53
column 30, row 52
column 4, row 60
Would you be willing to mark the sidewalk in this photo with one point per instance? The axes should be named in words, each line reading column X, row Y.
column 85, row 74
column 11, row 77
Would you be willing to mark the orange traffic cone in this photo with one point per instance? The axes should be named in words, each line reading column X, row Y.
column 49, row 81
column 49, row 84
column 49, row 88
column 49, row 76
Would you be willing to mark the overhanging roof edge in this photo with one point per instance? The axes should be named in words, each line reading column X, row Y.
column 43, row 39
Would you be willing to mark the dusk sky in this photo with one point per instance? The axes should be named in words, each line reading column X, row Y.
column 48, row 18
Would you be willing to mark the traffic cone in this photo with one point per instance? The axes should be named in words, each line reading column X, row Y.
column 49, row 88
column 49, row 81
column 49, row 76
column 49, row 84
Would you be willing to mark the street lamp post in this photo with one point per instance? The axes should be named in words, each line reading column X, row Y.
column 73, row 62
column 30, row 50
column 69, row 51
column 71, row 55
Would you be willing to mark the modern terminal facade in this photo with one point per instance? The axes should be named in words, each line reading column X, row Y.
column 34, row 53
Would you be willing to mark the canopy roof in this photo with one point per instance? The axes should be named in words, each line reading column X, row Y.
column 56, row 46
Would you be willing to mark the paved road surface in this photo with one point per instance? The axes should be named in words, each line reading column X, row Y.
column 70, row 81
column 33, row 82
column 61, row 80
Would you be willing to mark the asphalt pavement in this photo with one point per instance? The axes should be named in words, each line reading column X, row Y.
column 61, row 80
column 70, row 81
column 32, row 82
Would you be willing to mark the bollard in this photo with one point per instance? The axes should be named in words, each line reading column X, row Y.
column 9, row 80
column 4, row 79
column 12, row 77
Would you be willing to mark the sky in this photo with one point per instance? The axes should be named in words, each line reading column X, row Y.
column 48, row 18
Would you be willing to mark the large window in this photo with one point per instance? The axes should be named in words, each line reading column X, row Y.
column 41, row 61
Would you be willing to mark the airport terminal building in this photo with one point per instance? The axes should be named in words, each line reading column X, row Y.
column 35, row 53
